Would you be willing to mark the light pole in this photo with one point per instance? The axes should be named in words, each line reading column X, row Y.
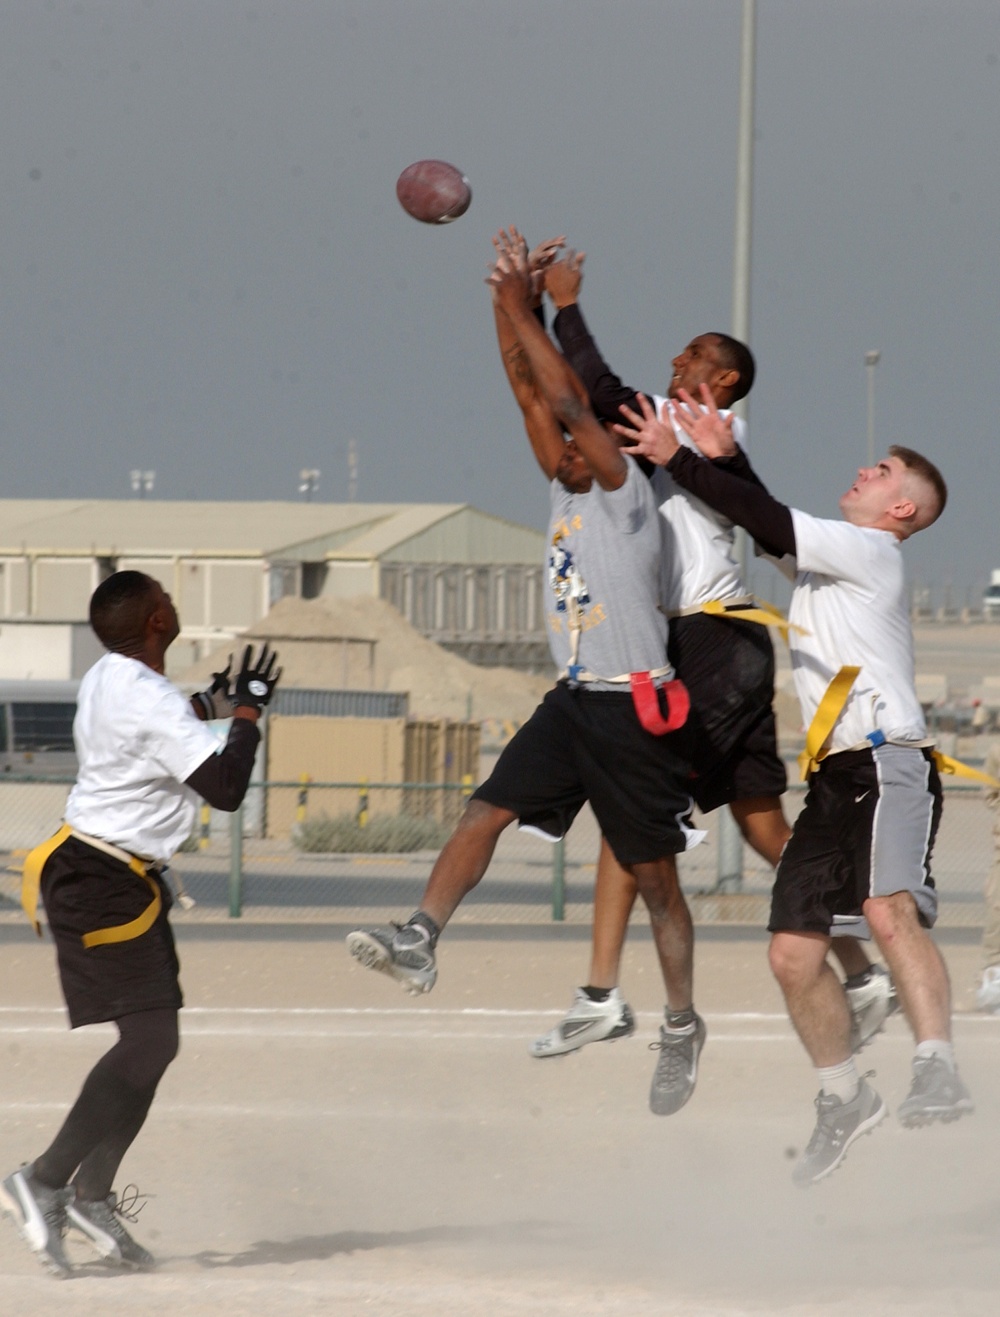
column 729, row 872
column 871, row 361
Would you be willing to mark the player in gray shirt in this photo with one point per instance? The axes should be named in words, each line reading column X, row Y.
column 611, row 730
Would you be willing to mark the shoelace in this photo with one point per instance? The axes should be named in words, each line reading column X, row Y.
column 673, row 1060
column 129, row 1203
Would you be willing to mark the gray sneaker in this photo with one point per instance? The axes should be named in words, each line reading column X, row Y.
column 871, row 1003
column 40, row 1214
column 677, row 1069
column 585, row 1022
column 936, row 1093
column 404, row 952
column 838, row 1124
column 100, row 1221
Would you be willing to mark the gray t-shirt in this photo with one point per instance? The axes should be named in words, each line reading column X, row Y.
column 605, row 557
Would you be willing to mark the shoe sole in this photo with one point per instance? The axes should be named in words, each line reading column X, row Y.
column 866, row 1127
column 370, row 952
column 564, row 1048
column 915, row 1120
column 10, row 1205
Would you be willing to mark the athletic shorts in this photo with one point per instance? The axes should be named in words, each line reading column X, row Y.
column 867, row 829
column 583, row 745
column 85, row 889
column 728, row 668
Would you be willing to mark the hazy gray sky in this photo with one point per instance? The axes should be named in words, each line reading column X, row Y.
column 205, row 270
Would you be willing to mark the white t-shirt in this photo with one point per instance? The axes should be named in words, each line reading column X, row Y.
column 850, row 596
column 699, row 551
column 137, row 739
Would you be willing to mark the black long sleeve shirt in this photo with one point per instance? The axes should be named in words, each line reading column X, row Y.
column 222, row 780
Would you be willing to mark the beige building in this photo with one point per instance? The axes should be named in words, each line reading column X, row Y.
column 465, row 579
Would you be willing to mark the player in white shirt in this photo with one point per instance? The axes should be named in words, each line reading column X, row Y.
column 859, row 856
column 146, row 757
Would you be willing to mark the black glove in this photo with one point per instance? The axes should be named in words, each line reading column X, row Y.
column 216, row 701
column 255, row 682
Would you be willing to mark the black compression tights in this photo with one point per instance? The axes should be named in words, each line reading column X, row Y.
column 112, row 1106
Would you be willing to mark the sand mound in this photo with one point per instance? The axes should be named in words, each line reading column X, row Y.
column 440, row 685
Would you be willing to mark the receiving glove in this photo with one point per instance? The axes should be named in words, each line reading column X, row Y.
column 255, row 681
column 216, row 702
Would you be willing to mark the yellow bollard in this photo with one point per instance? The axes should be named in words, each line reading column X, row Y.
column 363, row 803
column 204, row 832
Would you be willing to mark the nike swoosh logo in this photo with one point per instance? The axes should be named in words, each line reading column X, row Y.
column 858, row 799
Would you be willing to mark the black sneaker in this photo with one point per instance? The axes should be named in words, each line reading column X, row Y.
column 100, row 1220
column 40, row 1214
column 677, row 1069
column 403, row 952
column 936, row 1093
column 838, row 1124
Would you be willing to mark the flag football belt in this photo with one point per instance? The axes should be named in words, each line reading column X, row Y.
column 145, row 869
column 743, row 609
column 829, row 710
column 645, row 695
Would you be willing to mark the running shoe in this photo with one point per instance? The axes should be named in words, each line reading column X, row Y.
column 40, row 1214
column 404, row 952
column 100, row 1220
column 586, row 1021
column 838, row 1124
column 988, row 995
column 936, row 1093
column 677, row 1069
column 871, row 1001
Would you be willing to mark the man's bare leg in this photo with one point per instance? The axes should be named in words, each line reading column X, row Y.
column 847, row 1106
column 615, row 892
column 407, row 953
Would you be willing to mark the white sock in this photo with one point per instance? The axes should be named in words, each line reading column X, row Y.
column 936, row 1047
column 839, row 1081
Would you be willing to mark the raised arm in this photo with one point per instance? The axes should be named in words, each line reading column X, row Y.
column 555, row 379
column 543, row 430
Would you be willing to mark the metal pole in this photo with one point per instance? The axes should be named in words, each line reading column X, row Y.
column 559, row 880
column 236, row 863
column 730, row 857
column 871, row 361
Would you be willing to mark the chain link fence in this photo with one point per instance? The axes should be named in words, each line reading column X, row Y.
column 357, row 852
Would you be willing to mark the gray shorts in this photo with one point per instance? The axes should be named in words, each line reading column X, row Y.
column 867, row 829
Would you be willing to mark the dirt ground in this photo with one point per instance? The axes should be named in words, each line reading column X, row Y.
column 325, row 1144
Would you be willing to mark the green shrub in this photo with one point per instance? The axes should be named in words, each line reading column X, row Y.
column 383, row 834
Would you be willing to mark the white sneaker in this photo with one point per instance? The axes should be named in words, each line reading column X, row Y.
column 585, row 1022
column 871, row 1003
column 988, row 996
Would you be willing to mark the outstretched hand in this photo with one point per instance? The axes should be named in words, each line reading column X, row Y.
column 510, row 279
column 711, row 433
column 647, row 435
column 563, row 278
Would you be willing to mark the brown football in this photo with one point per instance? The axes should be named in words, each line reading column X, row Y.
column 433, row 191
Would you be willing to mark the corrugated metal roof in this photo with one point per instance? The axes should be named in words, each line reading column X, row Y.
column 112, row 527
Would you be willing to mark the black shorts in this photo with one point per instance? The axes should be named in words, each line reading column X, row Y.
column 85, row 889
column 867, row 829
column 728, row 668
column 583, row 745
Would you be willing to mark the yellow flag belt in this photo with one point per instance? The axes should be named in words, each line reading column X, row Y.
column 31, row 882
column 829, row 710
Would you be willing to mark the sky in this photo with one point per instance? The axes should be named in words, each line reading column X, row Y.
column 206, row 273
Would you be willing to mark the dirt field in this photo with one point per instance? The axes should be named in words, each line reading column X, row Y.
column 324, row 1144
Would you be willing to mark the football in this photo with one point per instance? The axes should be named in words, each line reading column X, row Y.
column 433, row 192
